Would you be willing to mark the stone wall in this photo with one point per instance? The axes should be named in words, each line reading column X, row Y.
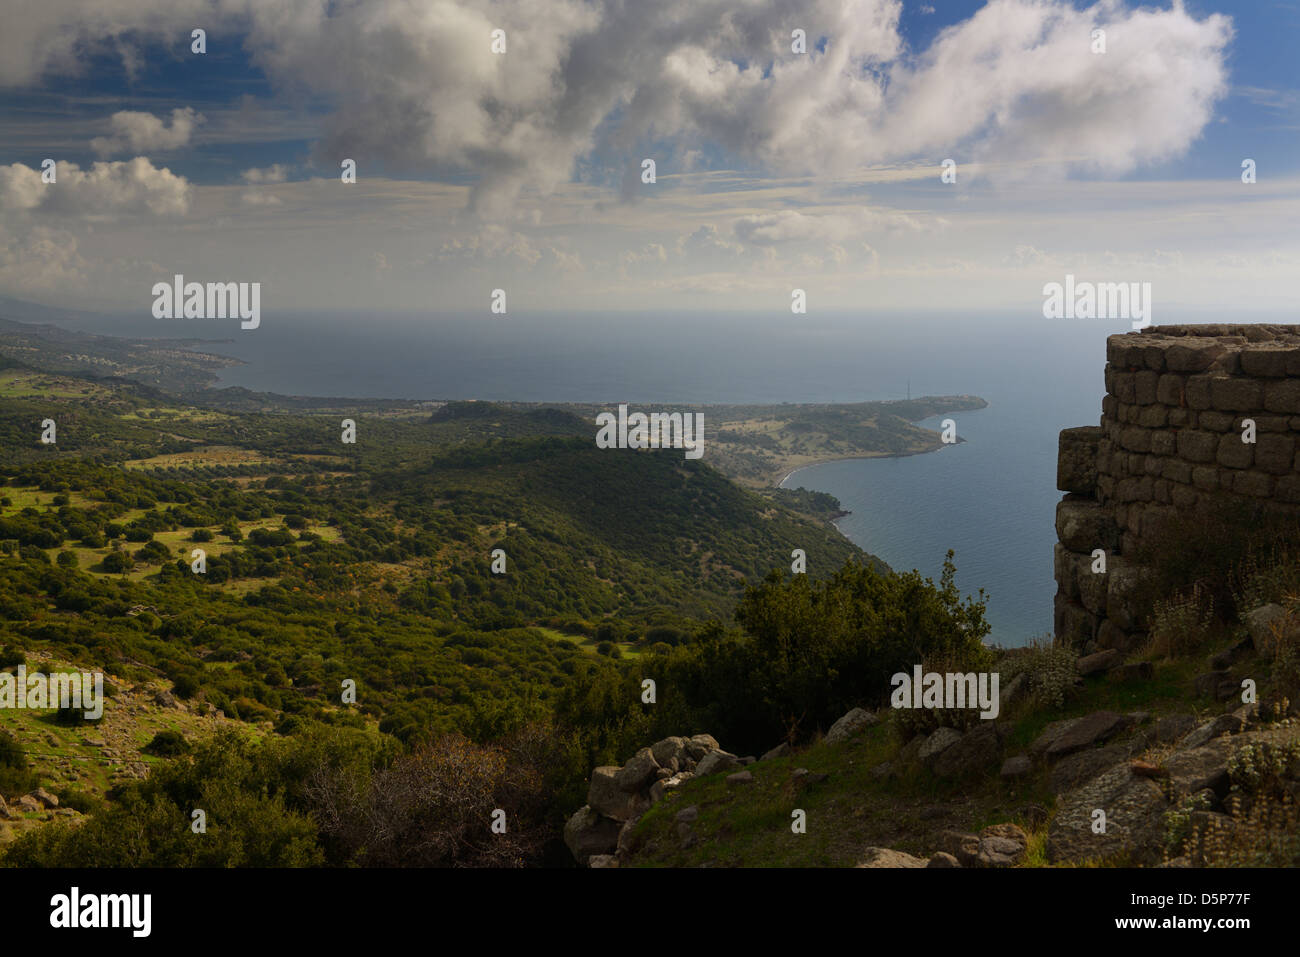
column 1170, row 447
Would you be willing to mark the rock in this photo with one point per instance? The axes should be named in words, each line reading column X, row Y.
column 1173, row 727
column 670, row 752
column 1215, row 728
column 1088, row 730
column 1085, row 765
column 943, row 859
column 885, row 857
column 677, row 780
column 602, row 860
column 882, row 770
column 1263, row 623
column 780, row 751
column 687, row 815
column 1216, row 684
column 1135, row 671
column 1012, row 691
column 1016, row 766
column 1134, row 808
column 964, row 847
column 1001, row 845
column 165, row 699
column 715, row 761
column 605, row 796
column 1050, row 735
column 626, row 843
column 1098, row 663
column 740, row 778
column 908, row 752
column 803, row 778
column 638, row 772
column 1196, row 768
column 698, row 745
column 588, row 833
column 45, row 797
column 663, row 774
column 849, row 725
column 748, row 760
column 657, row 792
column 937, row 743
column 977, row 749
column 1145, row 769
column 1228, row 657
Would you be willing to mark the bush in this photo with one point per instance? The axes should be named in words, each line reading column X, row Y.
column 167, row 744
column 67, row 559
column 201, row 535
column 117, row 562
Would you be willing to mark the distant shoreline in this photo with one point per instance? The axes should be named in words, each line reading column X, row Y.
column 855, row 458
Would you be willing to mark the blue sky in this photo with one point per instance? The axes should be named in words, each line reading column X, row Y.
column 521, row 171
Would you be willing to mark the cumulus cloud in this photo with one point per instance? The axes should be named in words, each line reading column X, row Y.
column 417, row 86
column 136, row 132
column 270, row 174
column 105, row 190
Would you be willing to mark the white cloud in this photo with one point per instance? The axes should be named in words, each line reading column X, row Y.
column 136, row 132
column 105, row 190
column 270, row 174
column 417, row 86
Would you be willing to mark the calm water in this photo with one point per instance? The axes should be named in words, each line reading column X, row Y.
column 991, row 498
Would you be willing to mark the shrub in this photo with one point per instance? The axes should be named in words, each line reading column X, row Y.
column 167, row 744
column 67, row 559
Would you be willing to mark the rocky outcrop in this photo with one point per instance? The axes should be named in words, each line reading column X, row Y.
column 599, row 834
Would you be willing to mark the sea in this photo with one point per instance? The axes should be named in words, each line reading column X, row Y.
column 990, row 498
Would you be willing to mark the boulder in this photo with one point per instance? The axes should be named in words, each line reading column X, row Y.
column 638, row 772
column 1214, row 728
column 849, row 725
column 715, row 761
column 975, row 750
column 1002, row 845
column 1134, row 807
column 885, row 857
column 1075, row 769
column 740, row 778
column 1038, row 748
column 1088, row 730
column 1173, row 727
column 687, row 815
column 605, row 796
column 602, row 860
column 698, row 745
column 588, row 833
column 670, row 752
column 962, row 846
column 1016, row 766
column 1219, row 685
column 908, row 752
column 937, row 743
column 1098, row 663
column 1263, row 623
column 1012, row 691
column 28, row 804
column 943, row 859
column 45, row 797
column 1193, row 769
column 780, row 751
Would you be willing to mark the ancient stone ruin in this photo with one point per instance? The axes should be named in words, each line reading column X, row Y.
column 1175, row 442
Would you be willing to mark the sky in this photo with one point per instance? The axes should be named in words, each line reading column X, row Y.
column 776, row 169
